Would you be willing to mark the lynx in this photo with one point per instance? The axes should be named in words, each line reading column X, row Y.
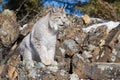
column 40, row 43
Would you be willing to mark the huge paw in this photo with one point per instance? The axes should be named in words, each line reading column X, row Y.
column 54, row 63
column 47, row 62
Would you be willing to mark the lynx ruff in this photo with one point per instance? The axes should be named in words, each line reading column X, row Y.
column 39, row 45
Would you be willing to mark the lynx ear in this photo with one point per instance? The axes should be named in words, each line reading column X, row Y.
column 63, row 9
column 53, row 10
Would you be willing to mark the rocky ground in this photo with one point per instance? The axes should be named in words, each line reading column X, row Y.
column 81, row 53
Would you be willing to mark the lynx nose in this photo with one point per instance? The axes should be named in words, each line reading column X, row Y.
column 63, row 23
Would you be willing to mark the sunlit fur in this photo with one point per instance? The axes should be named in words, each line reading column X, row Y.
column 40, row 44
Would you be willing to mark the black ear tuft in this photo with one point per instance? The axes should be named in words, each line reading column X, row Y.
column 63, row 10
column 53, row 10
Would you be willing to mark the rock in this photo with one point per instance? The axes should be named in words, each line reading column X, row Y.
column 39, row 65
column 86, row 19
column 112, row 41
column 2, row 68
column 87, row 54
column 95, row 54
column 118, row 54
column 62, row 51
column 22, row 74
column 91, row 47
column 109, row 25
column 32, row 73
column 96, row 70
column 70, row 44
column 119, row 38
column 10, row 27
column 78, row 66
column 62, row 72
column 113, row 58
column 53, row 68
column 74, row 77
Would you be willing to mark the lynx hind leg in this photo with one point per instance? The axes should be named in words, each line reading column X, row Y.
column 27, row 59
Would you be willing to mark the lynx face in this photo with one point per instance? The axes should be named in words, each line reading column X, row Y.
column 58, row 18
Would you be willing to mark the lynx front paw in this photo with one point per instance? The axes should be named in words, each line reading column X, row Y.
column 47, row 62
column 54, row 63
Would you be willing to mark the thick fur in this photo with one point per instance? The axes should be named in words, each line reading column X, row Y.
column 40, row 44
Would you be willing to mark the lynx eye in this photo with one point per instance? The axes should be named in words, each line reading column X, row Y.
column 59, row 17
